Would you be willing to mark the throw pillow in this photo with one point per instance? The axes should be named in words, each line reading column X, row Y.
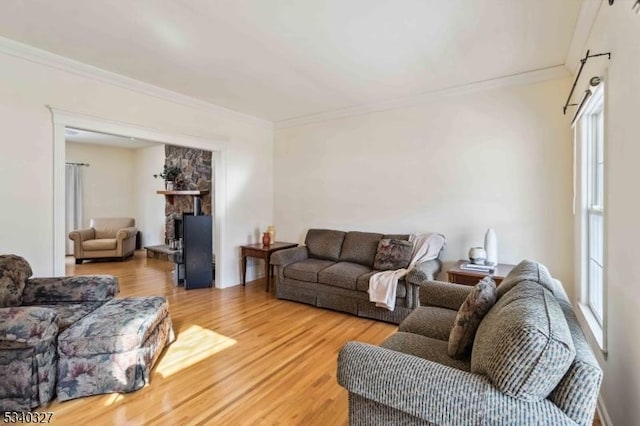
column 14, row 271
column 476, row 305
column 393, row 254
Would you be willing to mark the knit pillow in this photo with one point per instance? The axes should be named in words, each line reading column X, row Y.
column 14, row 271
column 477, row 304
column 393, row 254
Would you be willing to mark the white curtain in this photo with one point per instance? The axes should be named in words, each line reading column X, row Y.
column 73, row 208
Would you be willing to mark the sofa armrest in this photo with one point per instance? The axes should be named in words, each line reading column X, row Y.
column 287, row 256
column 26, row 326
column 80, row 235
column 428, row 270
column 81, row 288
column 434, row 392
column 443, row 294
column 126, row 233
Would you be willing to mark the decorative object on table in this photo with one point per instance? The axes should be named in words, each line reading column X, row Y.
column 491, row 247
column 266, row 239
column 170, row 175
column 477, row 255
column 272, row 232
column 476, row 267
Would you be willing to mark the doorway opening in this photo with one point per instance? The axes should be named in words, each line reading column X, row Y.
column 80, row 123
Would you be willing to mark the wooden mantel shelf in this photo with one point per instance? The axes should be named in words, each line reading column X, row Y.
column 170, row 194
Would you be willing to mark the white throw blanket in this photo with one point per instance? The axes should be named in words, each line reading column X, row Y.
column 383, row 285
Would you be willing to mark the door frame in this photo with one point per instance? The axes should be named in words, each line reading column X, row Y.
column 216, row 144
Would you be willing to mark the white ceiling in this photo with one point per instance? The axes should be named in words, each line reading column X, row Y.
column 282, row 59
column 95, row 138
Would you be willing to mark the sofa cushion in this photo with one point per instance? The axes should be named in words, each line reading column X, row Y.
column 473, row 309
column 100, row 244
column 117, row 326
column 324, row 243
column 392, row 254
column 68, row 313
column 424, row 347
column 524, row 344
column 527, row 270
column 360, row 247
column 108, row 227
column 342, row 274
column 306, row 270
column 14, row 271
column 363, row 285
column 429, row 321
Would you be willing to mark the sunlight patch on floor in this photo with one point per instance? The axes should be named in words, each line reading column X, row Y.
column 192, row 346
column 113, row 398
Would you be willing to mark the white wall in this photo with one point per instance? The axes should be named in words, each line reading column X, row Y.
column 617, row 29
column 26, row 165
column 457, row 165
column 107, row 182
column 149, row 206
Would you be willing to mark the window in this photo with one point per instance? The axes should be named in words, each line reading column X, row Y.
column 595, row 219
column 592, row 282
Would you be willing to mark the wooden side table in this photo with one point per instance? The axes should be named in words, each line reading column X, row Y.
column 467, row 277
column 263, row 252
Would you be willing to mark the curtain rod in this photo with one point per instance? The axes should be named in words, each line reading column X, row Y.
column 582, row 62
column 78, row 164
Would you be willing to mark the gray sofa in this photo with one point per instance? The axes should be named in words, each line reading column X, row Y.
column 529, row 363
column 333, row 268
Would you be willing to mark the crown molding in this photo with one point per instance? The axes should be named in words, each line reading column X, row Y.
column 531, row 77
column 43, row 57
column 586, row 18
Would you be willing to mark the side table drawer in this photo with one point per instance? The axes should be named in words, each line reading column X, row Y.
column 260, row 254
column 469, row 279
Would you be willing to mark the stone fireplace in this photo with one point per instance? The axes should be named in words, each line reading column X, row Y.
column 196, row 174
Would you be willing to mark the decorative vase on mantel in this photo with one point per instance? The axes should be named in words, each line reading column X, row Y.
column 169, row 185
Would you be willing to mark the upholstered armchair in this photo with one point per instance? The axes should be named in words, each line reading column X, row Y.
column 105, row 238
column 32, row 313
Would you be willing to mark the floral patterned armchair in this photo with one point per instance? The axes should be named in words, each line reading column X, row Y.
column 32, row 313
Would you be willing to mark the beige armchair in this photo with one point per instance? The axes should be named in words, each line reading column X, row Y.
column 106, row 238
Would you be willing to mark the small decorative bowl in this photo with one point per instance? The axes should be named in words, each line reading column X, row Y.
column 477, row 255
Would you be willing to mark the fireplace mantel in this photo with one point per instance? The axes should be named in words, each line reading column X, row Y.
column 171, row 194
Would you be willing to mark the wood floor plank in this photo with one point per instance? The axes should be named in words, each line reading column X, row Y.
column 241, row 356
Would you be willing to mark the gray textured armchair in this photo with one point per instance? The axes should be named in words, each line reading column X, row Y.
column 105, row 238
column 529, row 364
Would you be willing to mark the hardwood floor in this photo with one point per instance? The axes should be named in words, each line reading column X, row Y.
column 241, row 357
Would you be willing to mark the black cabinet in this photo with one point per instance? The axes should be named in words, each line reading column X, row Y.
column 197, row 251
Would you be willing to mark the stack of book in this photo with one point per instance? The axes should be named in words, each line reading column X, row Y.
column 479, row 268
